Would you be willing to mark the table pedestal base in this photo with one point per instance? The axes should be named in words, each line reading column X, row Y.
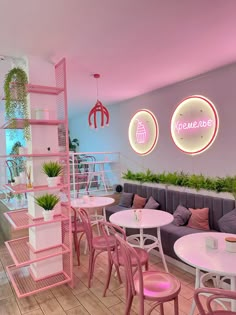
column 139, row 240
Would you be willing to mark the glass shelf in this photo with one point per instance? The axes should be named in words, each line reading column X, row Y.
column 25, row 285
column 22, row 188
column 18, row 123
column 20, row 219
column 34, row 155
column 22, row 254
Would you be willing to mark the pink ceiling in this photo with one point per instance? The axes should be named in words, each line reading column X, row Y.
column 136, row 45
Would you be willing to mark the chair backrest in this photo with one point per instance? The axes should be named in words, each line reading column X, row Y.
column 213, row 294
column 127, row 252
column 110, row 229
column 84, row 217
column 13, row 168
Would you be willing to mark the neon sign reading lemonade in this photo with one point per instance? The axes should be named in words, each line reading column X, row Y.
column 194, row 124
column 181, row 126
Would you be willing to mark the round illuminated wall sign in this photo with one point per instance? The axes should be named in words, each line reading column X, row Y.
column 194, row 125
column 143, row 132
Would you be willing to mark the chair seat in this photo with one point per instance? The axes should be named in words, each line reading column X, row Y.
column 142, row 254
column 159, row 286
column 100, row 242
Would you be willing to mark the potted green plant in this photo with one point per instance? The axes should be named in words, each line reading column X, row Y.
column 47, row 202
column 73, row 144
column 53, row 170
column 15, row 89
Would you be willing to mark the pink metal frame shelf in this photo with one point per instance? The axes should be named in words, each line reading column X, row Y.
column 20, row 219
column 21, row 188
column 21, row 251
column 25, row 285
column 27, row 274
column 20, row 123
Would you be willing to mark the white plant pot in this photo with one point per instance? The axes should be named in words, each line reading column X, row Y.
column 48, row 215
column 53, row 181
column 17, row 180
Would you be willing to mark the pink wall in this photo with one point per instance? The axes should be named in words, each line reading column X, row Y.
column 219, row 86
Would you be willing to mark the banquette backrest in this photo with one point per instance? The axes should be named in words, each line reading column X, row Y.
column 170, row 199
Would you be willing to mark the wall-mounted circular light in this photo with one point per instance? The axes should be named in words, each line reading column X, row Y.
column 194, row 124
column 143, row 132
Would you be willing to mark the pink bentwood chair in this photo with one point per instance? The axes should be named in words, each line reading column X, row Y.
column 97, row 243
column 213, row 295
column 156, row 286
column 115, row 256
column 77, row 227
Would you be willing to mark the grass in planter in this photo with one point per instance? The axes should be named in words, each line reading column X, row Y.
column 218, row 184
column 47, row 201
column 52, row 169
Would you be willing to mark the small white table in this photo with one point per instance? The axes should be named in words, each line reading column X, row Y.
column 93, row 202
column 193, row 251
column 150, row 219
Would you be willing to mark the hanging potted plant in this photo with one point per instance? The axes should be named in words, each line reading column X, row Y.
column 47, row 202
column 53, row 170
column 15, row 89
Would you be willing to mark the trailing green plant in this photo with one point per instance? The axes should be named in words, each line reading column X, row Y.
column 52, row 168
column 47, row 201
column 15, row 89
column 218, row 184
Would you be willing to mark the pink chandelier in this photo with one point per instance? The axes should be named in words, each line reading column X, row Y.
column 98, row 107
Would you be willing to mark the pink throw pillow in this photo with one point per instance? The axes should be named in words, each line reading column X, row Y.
column 199, row 219
column 139, row 202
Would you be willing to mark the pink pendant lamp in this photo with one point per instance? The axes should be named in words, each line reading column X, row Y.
column 98, row 107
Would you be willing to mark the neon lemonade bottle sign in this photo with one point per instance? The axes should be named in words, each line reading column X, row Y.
column 143, row 132
column 194, row 125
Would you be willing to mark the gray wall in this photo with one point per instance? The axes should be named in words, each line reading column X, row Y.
column 219, row 86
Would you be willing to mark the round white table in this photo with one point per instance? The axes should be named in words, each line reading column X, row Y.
column 192, row 250
column 90, row 202
column 149, row 219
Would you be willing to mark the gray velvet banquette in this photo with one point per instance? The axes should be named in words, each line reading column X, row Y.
column 169, row 201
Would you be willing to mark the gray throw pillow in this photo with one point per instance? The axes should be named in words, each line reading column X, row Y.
column 181, row 216
column 126, row 200
column 151, row 204
column 227, row 223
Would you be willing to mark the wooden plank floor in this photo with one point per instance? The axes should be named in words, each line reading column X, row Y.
column 80, row 299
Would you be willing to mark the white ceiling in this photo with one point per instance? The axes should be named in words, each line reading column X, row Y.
column 136, row 45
